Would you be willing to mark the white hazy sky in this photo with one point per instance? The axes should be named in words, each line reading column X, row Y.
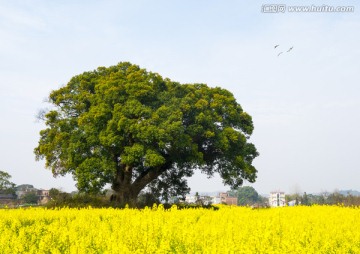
column 305, row 104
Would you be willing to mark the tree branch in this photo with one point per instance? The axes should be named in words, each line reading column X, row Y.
column 149, row 175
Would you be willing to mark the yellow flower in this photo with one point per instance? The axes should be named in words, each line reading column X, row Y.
column 316, row 229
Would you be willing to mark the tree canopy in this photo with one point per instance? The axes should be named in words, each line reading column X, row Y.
column 246, row 195
column 6, row 186
column 30, row 198
column 134, row 129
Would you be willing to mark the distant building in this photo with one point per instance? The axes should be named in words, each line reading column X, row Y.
column 190, row 199
column 43, row 196
column 221, row 198
column 7, row 198
column 206, row 200
column 292, row 203
column 24, row 189
column 277, row 199
column 225, row 198
column 216, row 200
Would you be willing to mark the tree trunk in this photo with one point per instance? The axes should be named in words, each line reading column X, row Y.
column 124, row 197
column 126, row 190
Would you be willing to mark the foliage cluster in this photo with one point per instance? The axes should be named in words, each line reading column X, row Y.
column 78, row 200
column 30, row 198
column 247, row 195
column 6, row 186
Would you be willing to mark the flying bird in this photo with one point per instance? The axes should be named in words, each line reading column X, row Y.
column 276, row 46
column 280, row 53
column 290, row 49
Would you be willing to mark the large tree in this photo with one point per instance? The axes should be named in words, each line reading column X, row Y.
column 129, row 127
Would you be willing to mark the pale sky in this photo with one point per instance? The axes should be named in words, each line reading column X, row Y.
column 305, row 103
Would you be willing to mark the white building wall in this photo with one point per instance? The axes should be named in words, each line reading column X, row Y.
column 216, row 200
column 190, row 199
column 277, row 199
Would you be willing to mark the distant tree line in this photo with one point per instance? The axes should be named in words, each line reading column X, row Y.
column 324, row 198
column 248, row 196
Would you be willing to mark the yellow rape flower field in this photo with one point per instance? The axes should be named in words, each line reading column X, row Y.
column 316, row 229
